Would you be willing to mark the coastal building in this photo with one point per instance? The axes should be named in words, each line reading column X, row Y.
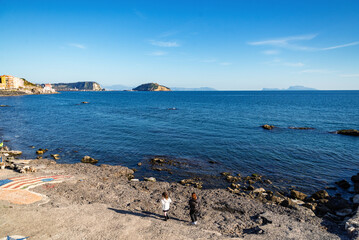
column 48, row 87
column 10, row 82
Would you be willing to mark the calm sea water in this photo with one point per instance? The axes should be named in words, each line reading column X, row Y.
column 129, row 127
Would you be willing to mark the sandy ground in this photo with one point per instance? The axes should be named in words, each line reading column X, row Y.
column 100, row 203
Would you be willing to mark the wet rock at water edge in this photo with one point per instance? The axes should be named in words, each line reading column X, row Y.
column 41, row 151
column 356, row 199
column 55, row 156
column 320, row 194
column 349, row 132
column 288, row 203
column 88, row 159
column 268, row 127
column 150, row 179
column 297, row 195
column 343, row 184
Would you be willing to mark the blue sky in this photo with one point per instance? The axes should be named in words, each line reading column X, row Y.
column 227, row 45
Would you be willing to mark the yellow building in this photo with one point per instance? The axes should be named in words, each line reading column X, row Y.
column 3, row 82
column 10, row 82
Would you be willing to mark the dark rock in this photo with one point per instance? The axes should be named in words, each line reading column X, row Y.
column 343, row 184
column 332, row 217
column 302, row 128
column 337, row 203
column 267, row 126
column 321, row 210
column 250, row 188
column 350, row 132
column 88, row 159
column 356, row 187
column 297, row 195
column 355, row 178
column 320, row 194
column 212, row 162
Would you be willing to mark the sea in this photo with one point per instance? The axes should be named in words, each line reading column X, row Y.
column 212, row 132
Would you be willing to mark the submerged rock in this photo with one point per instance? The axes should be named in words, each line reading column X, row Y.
column 88, row 159
column 343, row 184
column 302, row 128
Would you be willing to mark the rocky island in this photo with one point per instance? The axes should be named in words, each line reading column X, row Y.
column 77, row 86
column 154, row 87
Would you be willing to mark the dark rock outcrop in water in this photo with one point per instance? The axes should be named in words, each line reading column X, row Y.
column 267, row 126
column 302, row 128
column 350, row 132
column 78, row 86
column 155, row 87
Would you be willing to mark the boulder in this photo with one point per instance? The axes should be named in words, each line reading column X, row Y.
column 297, row 195
column 320, row 194
column 288, row 203
column 267, row 126
column 88, row 159
column 343, row 184
column 350, row 132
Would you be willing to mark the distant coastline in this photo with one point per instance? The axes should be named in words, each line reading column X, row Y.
column 291, row 88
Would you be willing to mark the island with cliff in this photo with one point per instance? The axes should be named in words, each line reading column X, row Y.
column 153, row 87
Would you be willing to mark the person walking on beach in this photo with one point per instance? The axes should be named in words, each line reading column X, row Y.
column 194, row 208
column 165, row 205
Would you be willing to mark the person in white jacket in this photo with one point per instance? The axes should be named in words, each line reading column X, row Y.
column 165, row 205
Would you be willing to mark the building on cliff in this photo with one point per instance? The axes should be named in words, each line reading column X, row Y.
column 10, row 82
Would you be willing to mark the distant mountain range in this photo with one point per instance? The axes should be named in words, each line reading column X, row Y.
column 291, row 88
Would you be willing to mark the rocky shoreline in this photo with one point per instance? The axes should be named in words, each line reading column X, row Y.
column 246, row 209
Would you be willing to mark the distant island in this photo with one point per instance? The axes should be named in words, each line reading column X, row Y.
column 193, row 89
column 291, row 88
column 154, row 87
column 77, row 86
